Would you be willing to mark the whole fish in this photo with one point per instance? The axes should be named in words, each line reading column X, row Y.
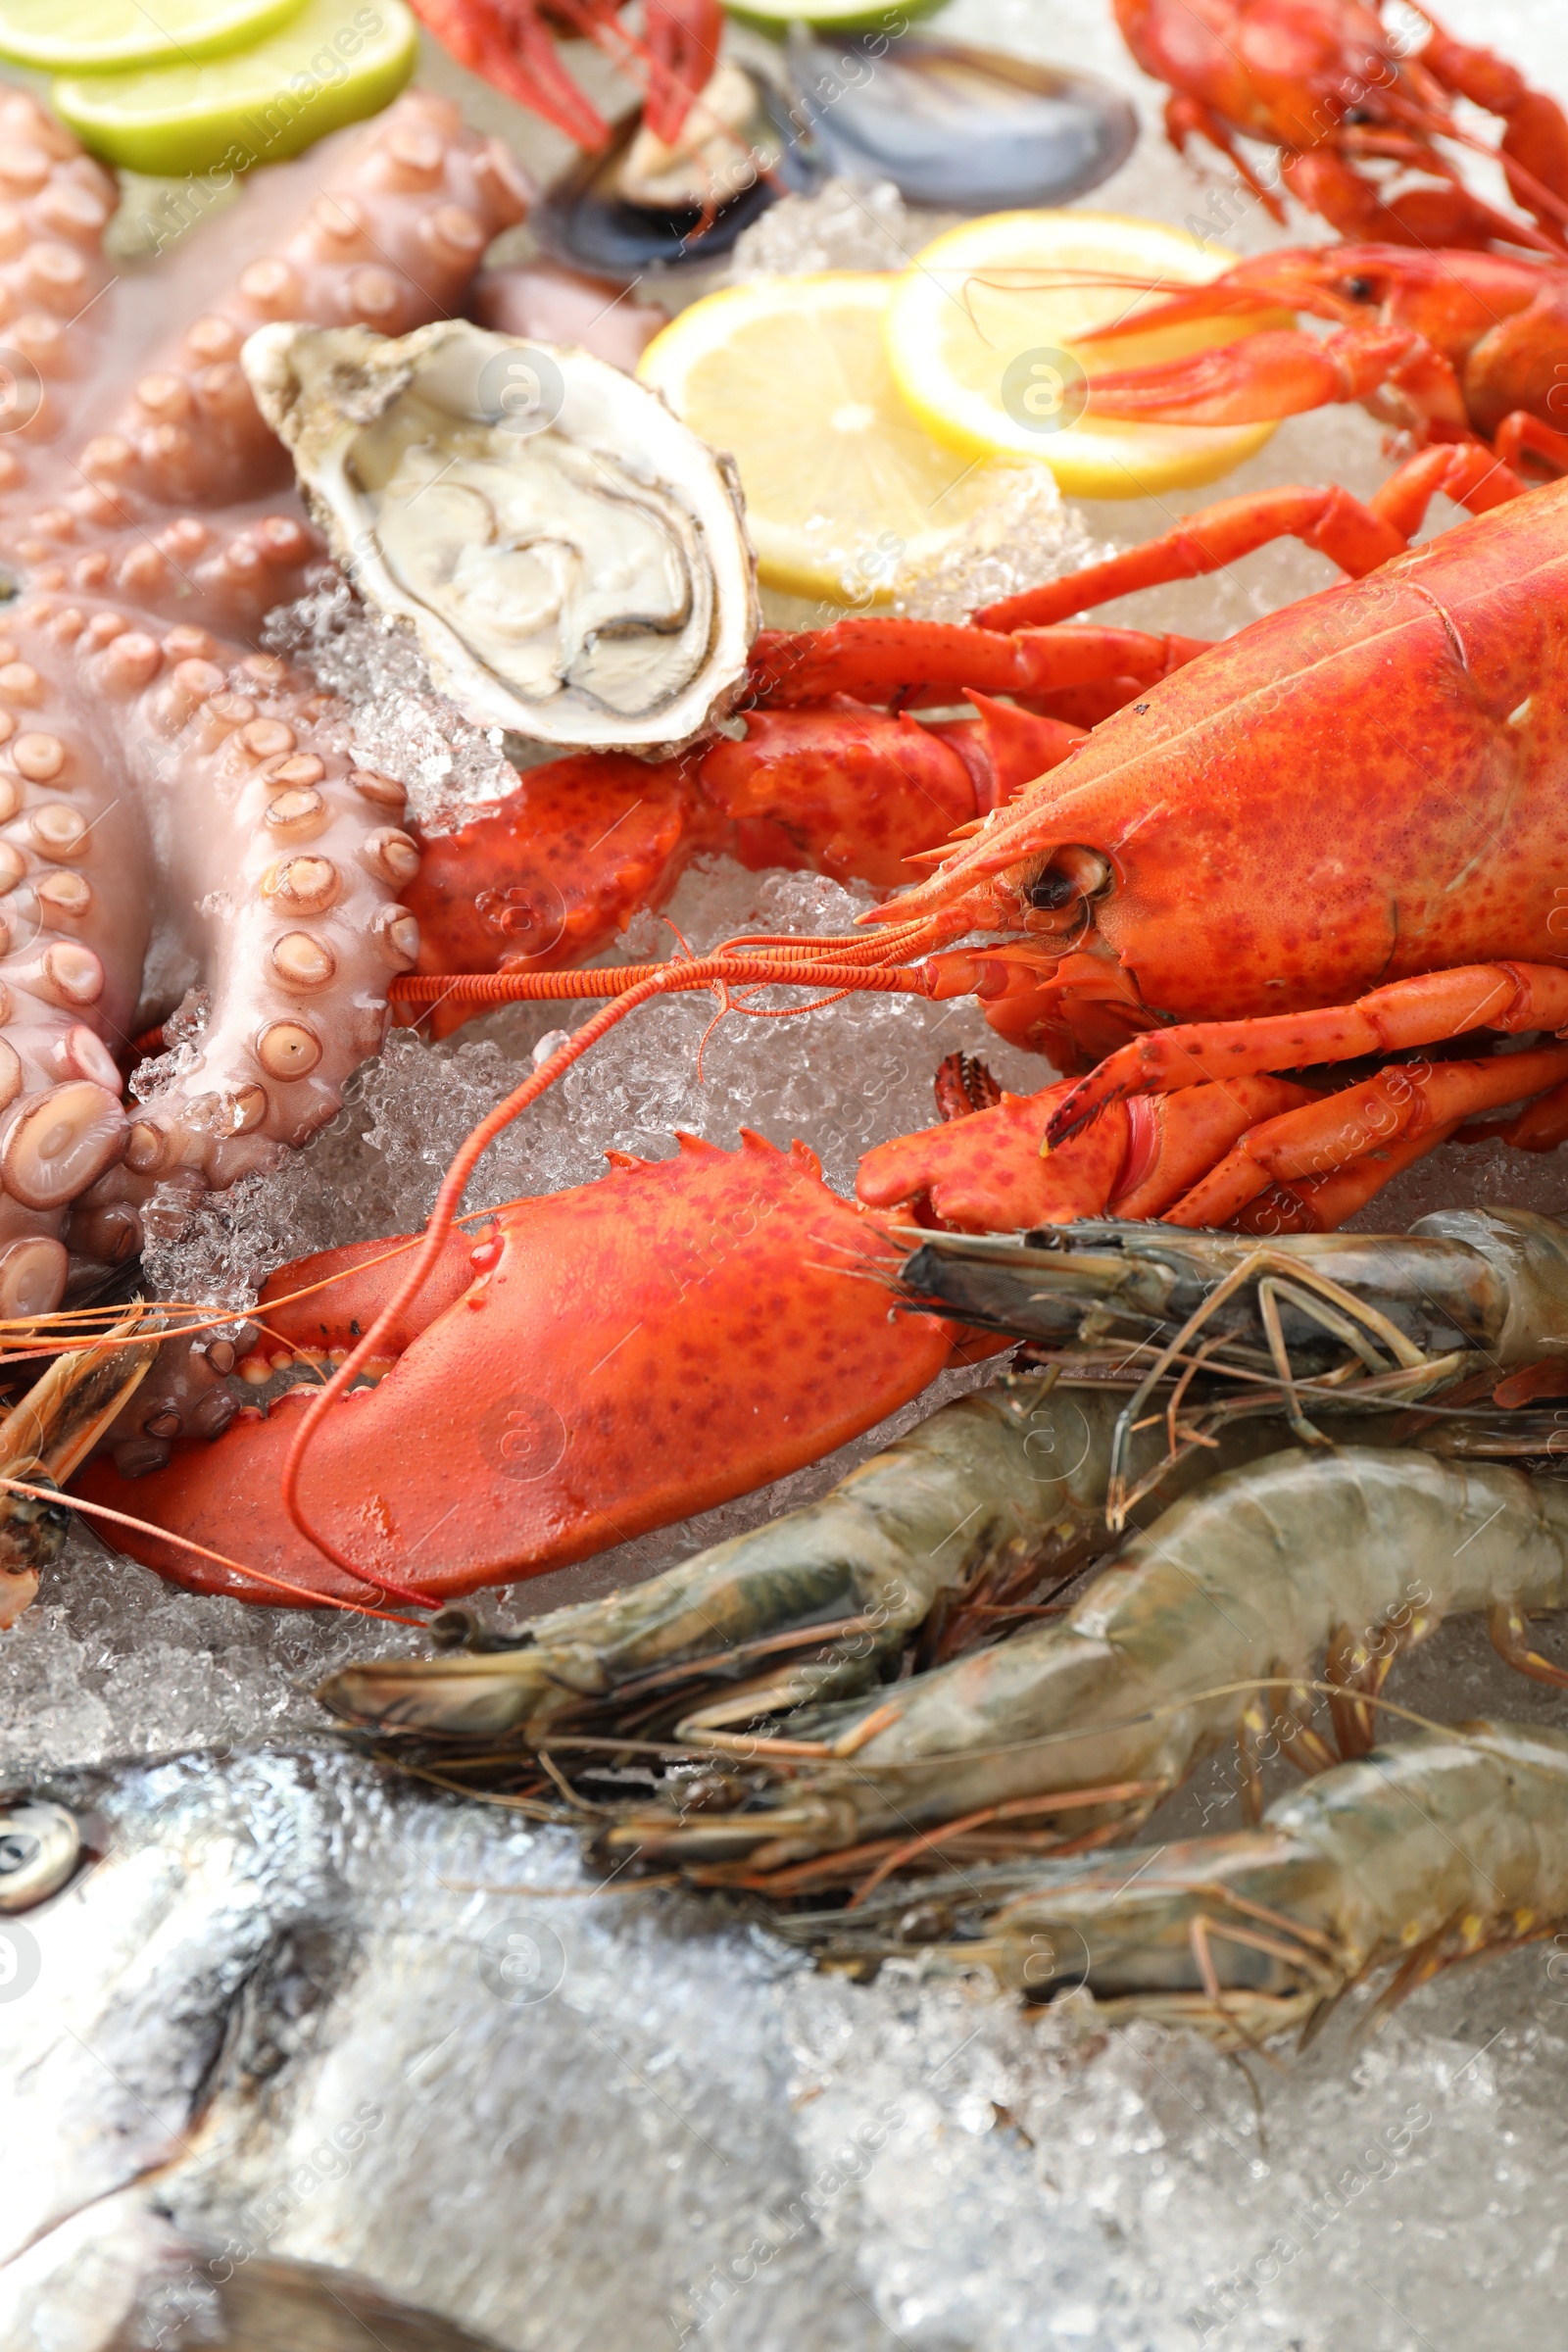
column 284, row 2068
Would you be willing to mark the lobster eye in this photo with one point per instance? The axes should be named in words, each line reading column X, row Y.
column 1051, row 890
column 1072, row 873
column 1361, row 289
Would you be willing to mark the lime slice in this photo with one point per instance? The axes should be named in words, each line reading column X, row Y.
column 833, row 16
column 332, row 63
column 790, row 376
column 981, row 342
column 102, row 36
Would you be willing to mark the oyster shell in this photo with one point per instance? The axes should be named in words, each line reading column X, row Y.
column 573, row 559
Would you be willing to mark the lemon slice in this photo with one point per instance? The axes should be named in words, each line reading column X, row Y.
column 980, row 341
column 331, row 62
column 842, row 488
column 102, row 36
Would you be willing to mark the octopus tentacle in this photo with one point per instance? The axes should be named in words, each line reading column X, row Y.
column 282, row 873
column 123, row 752
column 183, row 1395
column 227, row 570
column 390, row 243
column 178, row 810
column 54, row 207
column 74, row 889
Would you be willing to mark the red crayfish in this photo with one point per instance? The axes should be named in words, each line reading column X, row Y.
column 1448, row 347
column 1326, row 83
column 511, row 44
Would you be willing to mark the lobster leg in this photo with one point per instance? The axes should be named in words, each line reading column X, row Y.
column 510, row 49
column 1359, row 538
column 1188, row 118
column 1440, row 214
column 1540, row 1127
column 1339, row 525
column 884, row 661
column 682, row 40
column 1322, row 1204
column 1407, row 1101
column 1419, row 1011
column 989, row 1171
column 600, row 1362
column 1521, row 435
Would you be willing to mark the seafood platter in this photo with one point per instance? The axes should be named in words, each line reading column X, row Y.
column 783, row 1235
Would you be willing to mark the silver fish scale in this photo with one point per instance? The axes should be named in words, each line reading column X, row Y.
column 282, row 2004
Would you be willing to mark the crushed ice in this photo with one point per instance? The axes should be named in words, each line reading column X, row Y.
column 392, row 711
column 846, row 225
column 714, row 2146
column 1039, row 2188
column 1024, row 535
column 109, row 1659
column 1036, row 2184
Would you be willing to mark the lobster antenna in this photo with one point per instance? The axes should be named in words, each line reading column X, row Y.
column 281, row 1583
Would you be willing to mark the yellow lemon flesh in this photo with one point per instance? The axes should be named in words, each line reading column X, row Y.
column 981, row 342
column 333, row 62
column 844, row 488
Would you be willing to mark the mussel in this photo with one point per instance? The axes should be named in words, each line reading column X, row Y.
column 963, row 128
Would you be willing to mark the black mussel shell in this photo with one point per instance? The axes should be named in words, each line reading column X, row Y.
column 584, row 220
column 965, row 129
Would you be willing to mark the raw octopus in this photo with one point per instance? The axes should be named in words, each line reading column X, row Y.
column 178, row 809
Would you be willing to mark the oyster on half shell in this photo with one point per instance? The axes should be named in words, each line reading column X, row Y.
column 573, row 559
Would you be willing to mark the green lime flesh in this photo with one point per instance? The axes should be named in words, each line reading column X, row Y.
column 334, row 62
column 106, row 37
column 849, row 17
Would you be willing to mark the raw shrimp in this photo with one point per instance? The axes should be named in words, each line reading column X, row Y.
column 997, row 1492
column 1092, row 1720
column 1428, row 1852
column 987, row 1497
column 1486, row 1288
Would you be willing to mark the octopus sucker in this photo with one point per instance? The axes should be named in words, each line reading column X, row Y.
column 178, row 809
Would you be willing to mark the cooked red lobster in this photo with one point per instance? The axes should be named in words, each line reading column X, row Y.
column 1297, row 890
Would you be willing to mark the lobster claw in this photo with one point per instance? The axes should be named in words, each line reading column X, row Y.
column 548, row 876
column 989, row 1174
column 992, row 1170
column 602, row 1361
